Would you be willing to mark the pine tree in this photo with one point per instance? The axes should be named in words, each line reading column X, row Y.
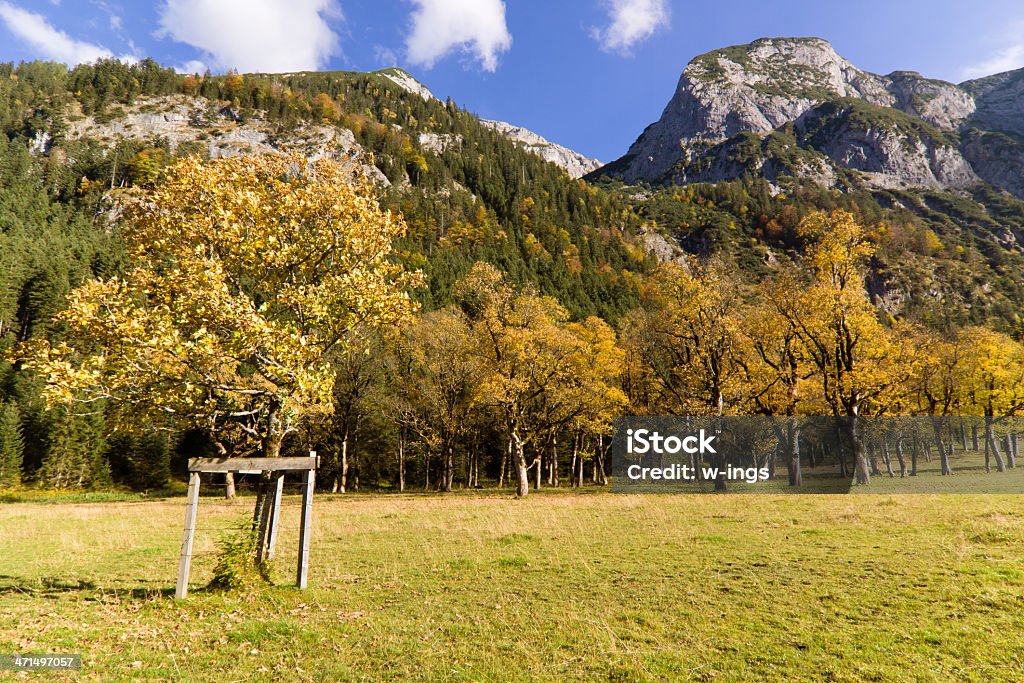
column 75, row 457
column 12, row 446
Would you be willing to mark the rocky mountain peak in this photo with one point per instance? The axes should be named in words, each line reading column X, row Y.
column 769, row 85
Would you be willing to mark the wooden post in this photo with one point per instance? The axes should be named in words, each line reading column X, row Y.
column 191, row 510
column 304, row 529
column 275, row 513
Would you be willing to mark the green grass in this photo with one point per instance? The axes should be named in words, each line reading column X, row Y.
column 556, row 587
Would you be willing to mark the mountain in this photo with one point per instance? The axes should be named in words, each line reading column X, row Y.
column 407, row 82
column 794, row 107
column 574, row 163
column 899, row 149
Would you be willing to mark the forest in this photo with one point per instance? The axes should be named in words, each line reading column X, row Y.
column 480, row 322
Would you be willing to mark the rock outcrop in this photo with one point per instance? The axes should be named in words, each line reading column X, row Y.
column 1000, row 102
column 574, row 163
column 182, row 120
column 405, row 81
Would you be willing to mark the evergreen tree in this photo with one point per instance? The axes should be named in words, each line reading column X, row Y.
column 12, row 446
column 74, row 458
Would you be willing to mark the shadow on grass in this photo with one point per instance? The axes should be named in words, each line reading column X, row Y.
column 52, row 587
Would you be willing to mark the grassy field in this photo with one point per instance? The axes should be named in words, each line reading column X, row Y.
column 557, row 587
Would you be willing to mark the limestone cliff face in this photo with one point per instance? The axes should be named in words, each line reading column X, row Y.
column 574, row 163
column 997, row 157
column 895, row 130
column 1000, row 102
column 219, row 133
column 403, row 79
column 890, row 148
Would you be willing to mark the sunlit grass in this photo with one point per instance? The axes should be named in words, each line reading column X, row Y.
column 555, row 587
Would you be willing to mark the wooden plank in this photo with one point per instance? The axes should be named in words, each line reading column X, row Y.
column 188, row 536
column 275, row 514
column 304, row 529
column 251, row 464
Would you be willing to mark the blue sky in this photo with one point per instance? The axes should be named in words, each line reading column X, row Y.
column 589, row 74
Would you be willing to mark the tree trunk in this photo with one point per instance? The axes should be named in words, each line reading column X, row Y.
column 988, row 457
column 796, row 477
column 523, row 475
column 990, row 437
column 448, row 469
column 963, row 435
column 914, row 448
column 947, row 468
column 1011, row 452
column 401, row 460
column 887, row 458
column 974, row 437
column 579, row 478
column 575, row 457
column 343, row 477
column 505, row 457
column 553, row 477
column 861, row 473
column 265, row 493
column 900, row 457
column 229, row 477
column 873, row 459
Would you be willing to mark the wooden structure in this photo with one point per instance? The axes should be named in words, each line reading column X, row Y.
column 278, row 467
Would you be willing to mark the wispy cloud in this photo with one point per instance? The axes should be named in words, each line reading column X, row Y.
column 473, row 27
column 1008, row 58
column 50, row 42
column 255, row 35
column 385, row 56
column 631, row 22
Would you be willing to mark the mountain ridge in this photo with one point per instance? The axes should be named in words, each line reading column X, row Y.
column 772, row 84
column 572, row 162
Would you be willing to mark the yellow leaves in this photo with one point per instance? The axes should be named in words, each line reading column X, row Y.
column 990, row 372
column 244, row 272
column 839, row 248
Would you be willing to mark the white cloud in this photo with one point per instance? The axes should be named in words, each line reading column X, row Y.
column 255, row 35
column 630, row 22
column 1007, row 59
column 474, row 27
column 51, row 43
column 193, row 66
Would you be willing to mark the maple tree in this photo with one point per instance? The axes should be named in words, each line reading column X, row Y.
column 245, row 275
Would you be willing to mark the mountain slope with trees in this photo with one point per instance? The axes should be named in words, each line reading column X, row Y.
column 541, row 299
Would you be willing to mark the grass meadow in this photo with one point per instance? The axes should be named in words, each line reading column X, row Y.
column 555, row 587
